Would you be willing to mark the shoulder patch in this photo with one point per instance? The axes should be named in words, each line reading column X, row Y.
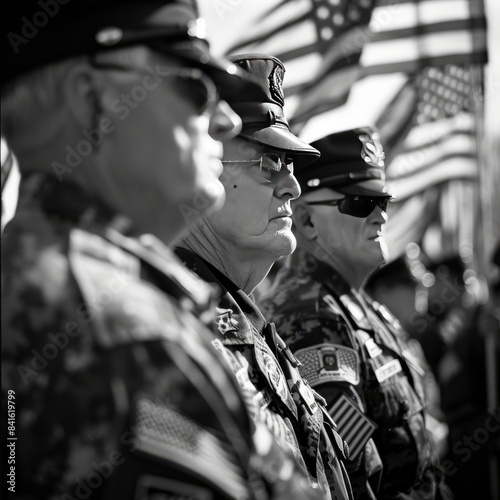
column 165, row 435
column 119, row 307
column 329, row 363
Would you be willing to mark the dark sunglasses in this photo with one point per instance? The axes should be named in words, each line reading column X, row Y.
column 193, row 84
column 356, row 206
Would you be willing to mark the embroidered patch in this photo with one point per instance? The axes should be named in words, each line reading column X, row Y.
column 329, row 363
column 225, row 322
column 276, row 84
column 388, row 370
column 352, row 424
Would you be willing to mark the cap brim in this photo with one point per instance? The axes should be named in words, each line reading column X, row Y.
column 365, row 188
column 229, row 79
column 282, row 139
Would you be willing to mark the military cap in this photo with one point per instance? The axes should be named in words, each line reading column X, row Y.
column 352, row 162
column 262, row 113
column 39, row 32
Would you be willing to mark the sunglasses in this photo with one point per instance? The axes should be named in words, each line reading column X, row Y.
column 356, row 206
column 193, row 84
column 268, row 161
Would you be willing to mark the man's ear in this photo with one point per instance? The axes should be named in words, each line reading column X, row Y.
column 303, row 221
column 81, row 91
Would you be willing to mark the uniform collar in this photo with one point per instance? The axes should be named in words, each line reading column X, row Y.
column 211, row 274
column 158, row 263
column 321, row 272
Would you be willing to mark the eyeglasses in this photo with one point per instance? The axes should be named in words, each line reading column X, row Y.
column 197, row 87
column 269, row 161
column 356, row 206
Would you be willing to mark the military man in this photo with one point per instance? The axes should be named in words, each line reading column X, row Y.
column 235, row 247
column 113, row 112
column 351, row 348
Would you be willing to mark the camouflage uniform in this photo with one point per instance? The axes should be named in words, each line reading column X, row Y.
column 355, row 358
column 119, row 393
column 290, row 408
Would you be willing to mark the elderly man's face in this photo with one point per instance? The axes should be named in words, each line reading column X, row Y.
column 256, row 216
column 356, row 242
column 165, row 148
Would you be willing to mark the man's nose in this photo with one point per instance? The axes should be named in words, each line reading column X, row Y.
column 379, row 215
column 287, row 185
column 224, row 123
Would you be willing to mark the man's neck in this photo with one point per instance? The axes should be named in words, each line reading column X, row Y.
column 356, row 276
column 245, row 270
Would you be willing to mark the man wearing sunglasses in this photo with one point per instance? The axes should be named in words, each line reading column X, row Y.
column 112, row 387
column 352, row 350
column 235, row 247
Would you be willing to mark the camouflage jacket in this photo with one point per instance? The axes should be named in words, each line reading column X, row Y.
column 295, row 413
column 117, row 389
column 370, row 380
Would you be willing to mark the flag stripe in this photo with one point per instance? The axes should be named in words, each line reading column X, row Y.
column 465, row 25
column 399, row 17
column 409, row 51
column 445, row 170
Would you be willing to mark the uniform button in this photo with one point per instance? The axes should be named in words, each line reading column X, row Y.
column 404, row 407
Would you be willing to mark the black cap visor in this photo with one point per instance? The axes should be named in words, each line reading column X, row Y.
column 282, row 139
column 229, row 79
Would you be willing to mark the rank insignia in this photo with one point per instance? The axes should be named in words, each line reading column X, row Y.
column 225, row 322
column 356, row 311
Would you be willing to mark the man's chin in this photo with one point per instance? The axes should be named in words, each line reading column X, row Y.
column 285, row 243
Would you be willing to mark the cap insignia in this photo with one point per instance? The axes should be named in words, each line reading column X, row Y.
column 371, row 149
column 276, row 84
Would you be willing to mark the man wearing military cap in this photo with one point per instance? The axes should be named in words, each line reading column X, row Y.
column 352, row 350
column 235, row 247
column 113, row 112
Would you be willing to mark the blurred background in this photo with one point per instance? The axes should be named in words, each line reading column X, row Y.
column 426, row 73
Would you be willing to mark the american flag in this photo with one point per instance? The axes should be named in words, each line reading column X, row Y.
column 403, row 37
column 320, row 42
column 353, row 425
column 433, row 139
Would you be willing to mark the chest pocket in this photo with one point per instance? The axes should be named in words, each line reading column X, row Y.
column 390, row 397
column 394, row 405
